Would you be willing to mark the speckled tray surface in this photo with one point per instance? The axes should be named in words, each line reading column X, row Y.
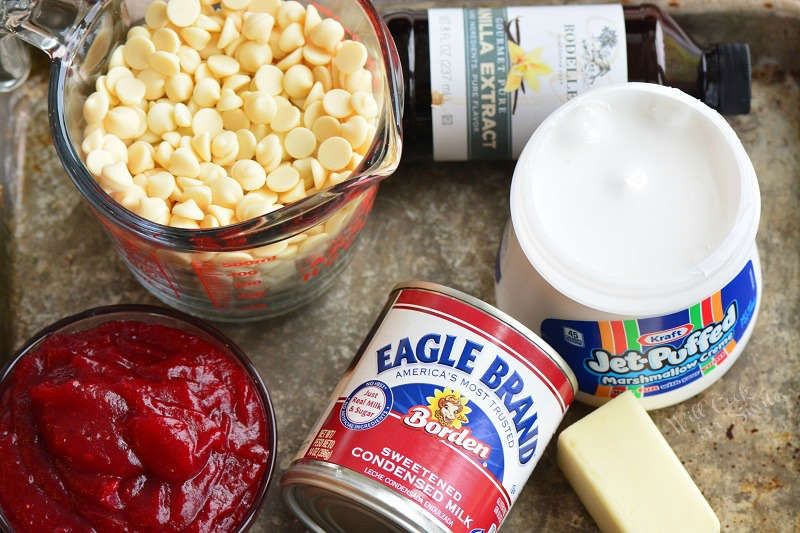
column 740, row 439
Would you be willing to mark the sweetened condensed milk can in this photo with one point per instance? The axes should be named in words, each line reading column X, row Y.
column 437, row 423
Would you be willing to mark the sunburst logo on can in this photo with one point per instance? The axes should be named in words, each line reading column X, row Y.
column 443, row 417
column 449, row 408
column 367, row 406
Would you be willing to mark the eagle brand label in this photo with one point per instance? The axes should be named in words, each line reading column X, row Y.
column 660, row 354
column 496, row 73
column 446, row 405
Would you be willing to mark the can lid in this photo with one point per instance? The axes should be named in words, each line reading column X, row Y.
column 726, row 78
column 510, row 321
column 327, row 497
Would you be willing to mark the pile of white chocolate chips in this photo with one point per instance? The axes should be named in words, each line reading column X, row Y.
column 214, row 113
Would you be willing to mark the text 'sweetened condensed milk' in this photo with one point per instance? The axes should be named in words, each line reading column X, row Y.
column 437, row 423
column 631, row 246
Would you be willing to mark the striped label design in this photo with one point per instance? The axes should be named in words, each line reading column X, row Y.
column 658, row 354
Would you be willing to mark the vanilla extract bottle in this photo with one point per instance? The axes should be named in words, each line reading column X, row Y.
column 478, row 81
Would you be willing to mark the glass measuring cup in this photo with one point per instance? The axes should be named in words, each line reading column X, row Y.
column 258, row 268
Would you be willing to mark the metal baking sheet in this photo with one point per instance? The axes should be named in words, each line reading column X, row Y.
column 740, row 439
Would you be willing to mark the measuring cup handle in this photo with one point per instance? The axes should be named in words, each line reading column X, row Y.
column 45, row 24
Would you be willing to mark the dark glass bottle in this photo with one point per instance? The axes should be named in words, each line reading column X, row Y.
column 658, row 51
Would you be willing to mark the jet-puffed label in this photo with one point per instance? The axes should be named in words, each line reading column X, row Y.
column 448, row 406
column 655, row 355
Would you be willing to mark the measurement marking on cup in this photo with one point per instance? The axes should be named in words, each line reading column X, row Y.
column 242, row 284
column 251, row 295
column 251, row 262
column 243, row 274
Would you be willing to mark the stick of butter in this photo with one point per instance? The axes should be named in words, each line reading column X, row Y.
column 627, row 476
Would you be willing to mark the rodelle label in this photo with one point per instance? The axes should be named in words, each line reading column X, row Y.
column 659, row 354
column 446, row 405
column 496, row 73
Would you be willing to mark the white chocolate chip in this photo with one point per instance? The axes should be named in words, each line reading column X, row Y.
column 195, row 37
column 286, row 118
column 160, row 185
column 222, row 65
column 140, row 157
column 160, row 118
column 183, row 162
column 95, row 107
column 189, row 59
column 116, row 176
column 182, row 115
column 179, row 87
column 312, row 113
column 312, row 19
column 164, row 63
column 235, row 119
column 300, row 143
column 334, row 153
column 249, row 174
column 236, row 82
column 202, row 145
column 297, row 81
column 177, row 221
column 326, row 127
column 183, row 13
column 327, row 34
column 154, row 209
column 260, row 107
column 224, row 146
column 93, row 141
column 209, row 222
column 229, row 100
column 123, row 122
column 207, row 120
column 364, row 104
column 116, row 147
column 269, row 152
column 130, row 91
column 355, row 130
column 188, row 209
column 156, row 15
column 258, row 26
column 350, row 57
column 166, row 40
column 252, row 205
column 225, row 192
column 137, row 52
column 173, row 138
column 201, row 194
column 247, row 144
column 236, row 4
column 283, row 178
column 207, row 92
column 322, row 74
column 96, row 160
column 290, row 12
column 269, row 79
column 337, row 103
column 290, row 60
column 223, row 214
column 154, row 83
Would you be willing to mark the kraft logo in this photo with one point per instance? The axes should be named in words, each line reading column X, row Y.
column 665, row 336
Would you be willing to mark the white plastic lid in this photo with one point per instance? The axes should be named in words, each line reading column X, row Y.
column 635, row 199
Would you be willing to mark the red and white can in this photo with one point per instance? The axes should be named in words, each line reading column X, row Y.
column 437, row 423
